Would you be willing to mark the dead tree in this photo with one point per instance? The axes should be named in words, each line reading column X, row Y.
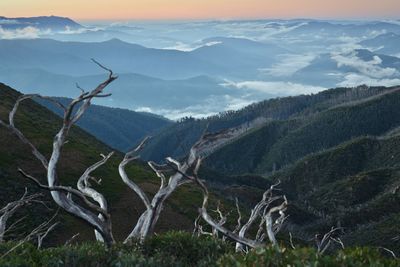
column 265, row 210
column 148, row 219
column 96, row 215
column 324, row 242
column 40, row 232
column 198, row 228
column 44, row 229
column 10, row 209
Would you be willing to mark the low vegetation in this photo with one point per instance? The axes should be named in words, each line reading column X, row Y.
column 182, row 249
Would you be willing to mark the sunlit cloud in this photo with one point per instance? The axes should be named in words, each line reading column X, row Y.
column 354, row 79
column 22, row 33
column 279, row 88
column 69, row 30
column 371, row 68
column 208, row 107
column 190, row 47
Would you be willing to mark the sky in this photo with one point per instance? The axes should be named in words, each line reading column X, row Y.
column 202, row 9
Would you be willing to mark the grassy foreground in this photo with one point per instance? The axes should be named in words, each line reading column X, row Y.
column 181, row 249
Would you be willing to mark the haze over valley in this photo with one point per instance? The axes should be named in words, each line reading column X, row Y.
column 198, row 68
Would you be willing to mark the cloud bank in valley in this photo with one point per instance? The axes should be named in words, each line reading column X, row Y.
column 371, row 68
column 21, row 33
column 280, row 88
column 289, row 64
column 316, row 55
column 210, row 106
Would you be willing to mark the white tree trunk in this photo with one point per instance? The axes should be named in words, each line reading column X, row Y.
column 62, row 195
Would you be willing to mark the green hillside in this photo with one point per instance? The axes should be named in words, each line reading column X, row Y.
column 344, row 171
column 177, row 139
column 354, row 185
column 282, row 142
column 40, row 125
column 338, row 167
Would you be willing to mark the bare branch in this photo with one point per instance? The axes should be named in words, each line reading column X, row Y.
column 84, row 186
column 10, row 209
column 80, row 88
column 242, row 242
column 389, row 251
column 198, row 228
column 130, row 156
column 147, row 221
column 149, row 217
column 65, row 189
column 72, row 239
column 207, row 217
column 39, row 230
column 43, row 232
column 239, row 219
column 19, row 134
column 291, row 241
column 158, row 173
column 222, row 219
column 14, row 225
column 103, row 67
column 324, row 243
column 60, row 194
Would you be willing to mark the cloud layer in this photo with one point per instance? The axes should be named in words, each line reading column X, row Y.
column 22, row 33
column 289, row 64
column 280, row 88
column 371, row 68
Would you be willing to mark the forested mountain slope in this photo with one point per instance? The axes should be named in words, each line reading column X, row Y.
column 354, row 185
column 118, row 128
column 338, row 167
column 283, row 142
column 177, row 139
column 337, row 155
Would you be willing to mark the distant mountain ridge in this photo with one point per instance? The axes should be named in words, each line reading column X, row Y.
column 42, row 22
column 131, row 91
column 63, row 57
column 235, row 62
column 338, row 28
column 388, row 43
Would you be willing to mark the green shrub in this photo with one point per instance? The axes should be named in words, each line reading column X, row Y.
column 182, row 249
column 171, row 249
column 354, row 257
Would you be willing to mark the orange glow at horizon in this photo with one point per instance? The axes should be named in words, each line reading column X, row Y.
column 201, row 9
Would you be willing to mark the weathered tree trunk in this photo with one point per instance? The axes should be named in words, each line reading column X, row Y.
column 96, row 216
column 148, row 219
column 261, row 210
